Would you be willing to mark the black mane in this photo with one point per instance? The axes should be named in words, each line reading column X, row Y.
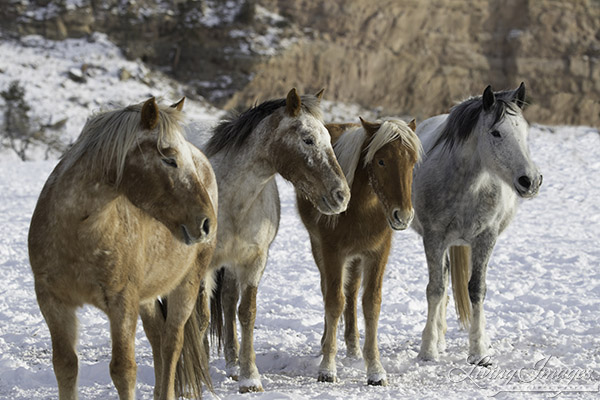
column 233, row 130
column 464, row 116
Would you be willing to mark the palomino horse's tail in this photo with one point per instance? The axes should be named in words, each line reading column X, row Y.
column 460, row 262
column 192, row 367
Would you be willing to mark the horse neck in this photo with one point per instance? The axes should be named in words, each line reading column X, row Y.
column 243, row 173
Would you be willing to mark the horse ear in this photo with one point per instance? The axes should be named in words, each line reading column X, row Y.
column 489, row 99
column 519, row 95
column 293, row 103
column 179, row 104
column 370, row 127
column 413, row 125
column 150, row 114
column 319, row 94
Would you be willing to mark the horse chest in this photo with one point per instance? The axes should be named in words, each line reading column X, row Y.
column 488, row 207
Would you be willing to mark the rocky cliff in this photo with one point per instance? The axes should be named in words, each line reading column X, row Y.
column 414, row 57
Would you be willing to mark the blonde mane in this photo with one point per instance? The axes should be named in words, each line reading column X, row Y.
column 108, row 136
column 349, row 146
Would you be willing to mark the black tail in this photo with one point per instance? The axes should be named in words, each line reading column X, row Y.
column 216, row 311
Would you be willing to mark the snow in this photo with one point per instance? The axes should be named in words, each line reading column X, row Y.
column 542, row 304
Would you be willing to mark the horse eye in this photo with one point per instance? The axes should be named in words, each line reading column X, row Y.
column 170, row 162
column 495, row 133
column 309, row 141
column 380, row 162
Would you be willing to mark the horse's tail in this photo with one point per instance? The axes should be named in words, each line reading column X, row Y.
column 216, row 310
column 192, row 367
column 460, row 263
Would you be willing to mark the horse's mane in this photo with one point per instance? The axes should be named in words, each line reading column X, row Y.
column 464, row 116
column 349, row 146
column 233, row 130
column 108, row 136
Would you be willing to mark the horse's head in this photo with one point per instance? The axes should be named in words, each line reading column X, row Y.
column 393, row 150
column 301, row 151
column 168, row 178
column 502, row 140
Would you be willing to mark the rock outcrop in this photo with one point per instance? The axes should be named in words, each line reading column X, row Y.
column 412, row 57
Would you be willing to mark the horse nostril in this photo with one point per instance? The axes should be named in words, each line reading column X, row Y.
column 205, row 226
column 396, row 216
column 541, row 179
column 339, row 195
column 525, row 182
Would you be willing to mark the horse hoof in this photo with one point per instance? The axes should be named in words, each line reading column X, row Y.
column 427, row 357
column 234, row 377
column 380, row 382
column 251, row 388
column 481, row 361
column 327, row 377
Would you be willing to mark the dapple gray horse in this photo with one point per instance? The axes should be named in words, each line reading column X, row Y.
column 465, row 193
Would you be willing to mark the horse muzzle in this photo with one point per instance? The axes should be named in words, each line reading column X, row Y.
column 201, row 233
column 335, row 202
column 400, row 220
column 528, row 186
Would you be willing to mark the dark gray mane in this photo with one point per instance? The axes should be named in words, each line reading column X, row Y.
column 233, row 130
column 464, row 116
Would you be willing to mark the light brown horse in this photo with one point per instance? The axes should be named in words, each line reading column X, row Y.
column 378, row 160
column 127, row 215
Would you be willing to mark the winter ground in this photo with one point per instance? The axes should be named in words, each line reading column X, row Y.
column 542, row 306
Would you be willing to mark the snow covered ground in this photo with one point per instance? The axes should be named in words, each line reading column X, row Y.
column 542, row 307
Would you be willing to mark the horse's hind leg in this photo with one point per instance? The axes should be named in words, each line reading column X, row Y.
column 442, row 326
column 478, row 340
column 62, row 323
column 373, row 270
column 230, row 297
column 434, row 253
column 351, row 287
column 122, row 312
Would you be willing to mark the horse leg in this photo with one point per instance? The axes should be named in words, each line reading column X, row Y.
column 374, row 267
column 230, row 297
column 333, row 273
column 62, row 323
column 350, row 321
column 435, row 296
column 122, row 312
column 316, row 251
column 154, row 323
column 249, row 380
column 478, row 341
column 442, row 326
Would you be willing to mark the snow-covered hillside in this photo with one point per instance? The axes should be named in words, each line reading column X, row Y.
column 543, row 300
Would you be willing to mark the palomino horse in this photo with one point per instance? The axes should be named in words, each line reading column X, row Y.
column 465, row 194
column 378, row 160
column 285, row 136
column 128, row 214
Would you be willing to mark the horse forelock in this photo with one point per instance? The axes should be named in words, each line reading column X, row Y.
column 464, row 116
column 233, row 131
column 108, row 136
column 349, row 146
column 389, row 131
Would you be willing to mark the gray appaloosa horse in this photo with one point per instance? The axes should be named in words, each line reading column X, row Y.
column 465, row 193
